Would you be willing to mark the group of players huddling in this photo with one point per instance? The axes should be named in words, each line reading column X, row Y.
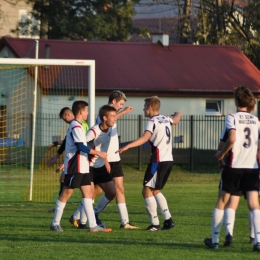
column 92, row 164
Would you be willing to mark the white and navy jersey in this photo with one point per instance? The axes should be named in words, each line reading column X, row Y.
column 75, row 161
column 112, row 156
column 161, row 140
column 243, row 154
column 98, row 140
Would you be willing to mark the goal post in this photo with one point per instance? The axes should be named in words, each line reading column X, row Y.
column 59, row 82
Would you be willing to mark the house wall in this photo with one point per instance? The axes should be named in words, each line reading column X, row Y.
column 10, row 16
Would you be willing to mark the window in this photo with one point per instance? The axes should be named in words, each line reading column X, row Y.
column 29, row 25
column 214, row 107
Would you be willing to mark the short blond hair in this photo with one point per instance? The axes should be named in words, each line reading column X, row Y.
column 154, row 102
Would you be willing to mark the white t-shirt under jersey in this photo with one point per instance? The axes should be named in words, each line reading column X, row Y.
column 75, row 161
column 98, row 140
column 244, row 151
column 112, row 156
column 161, row 140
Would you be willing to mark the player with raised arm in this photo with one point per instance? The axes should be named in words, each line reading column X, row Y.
column 241, row 136
column 158, row 132
column 76, row 167
column 116, row 100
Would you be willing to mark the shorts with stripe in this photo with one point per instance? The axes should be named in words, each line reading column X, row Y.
column 116, row 169
column 100, row 175
column 77, row 180
column 157, row 174
column 236, row 180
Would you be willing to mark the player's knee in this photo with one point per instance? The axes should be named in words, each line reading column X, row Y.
column 120, row 190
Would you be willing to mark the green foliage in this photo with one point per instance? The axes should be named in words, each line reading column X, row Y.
column 79, row 20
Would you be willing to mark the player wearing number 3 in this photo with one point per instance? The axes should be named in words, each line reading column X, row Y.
column 241, row 137
column 159, row 134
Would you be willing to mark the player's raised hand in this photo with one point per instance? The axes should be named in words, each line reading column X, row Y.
column 128, row 109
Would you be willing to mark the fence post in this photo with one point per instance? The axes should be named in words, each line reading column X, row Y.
column 191, row 143
column 139, row 147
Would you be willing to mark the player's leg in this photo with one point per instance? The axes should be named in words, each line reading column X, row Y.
column 163, row 172
column 118, row 178
column 150, row 201
column 229, row 184
column 87, row 196
column 229, row 218
column 61, row 202
column 104, row 180
column 151, row 208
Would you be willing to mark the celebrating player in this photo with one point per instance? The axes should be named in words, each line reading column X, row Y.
column 159, row 134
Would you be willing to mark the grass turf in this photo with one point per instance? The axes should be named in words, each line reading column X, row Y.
column 25, row 234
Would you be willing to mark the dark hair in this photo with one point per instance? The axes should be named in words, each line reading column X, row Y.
column 78, row 105
column 117, row 95
column 104, row 110
column 244, row 97
column 63, row 110
column 154, row 102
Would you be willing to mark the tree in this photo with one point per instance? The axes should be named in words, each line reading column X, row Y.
column 81, row 19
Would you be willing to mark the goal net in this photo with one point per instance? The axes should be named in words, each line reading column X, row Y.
column 32, row 93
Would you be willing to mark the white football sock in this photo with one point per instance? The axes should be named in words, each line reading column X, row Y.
column 256, row 221
column 217, row 221
column 77, row 213
column 101, row 205
column 88, row 208
column 251, row 224
column 58, row 213
column 163, row 206
column 83, row 216
column 123, row 213
column 229, row 220
column 151, row 207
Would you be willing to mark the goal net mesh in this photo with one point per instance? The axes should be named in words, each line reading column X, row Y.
column 57, row 87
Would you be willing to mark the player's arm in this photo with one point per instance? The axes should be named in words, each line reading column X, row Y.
column 221, row 163
column 126, row 110
column 228, row 145
column 55, row 143
column 141, row 140
column 85, row 149
column 176, row 117
column 50, row 162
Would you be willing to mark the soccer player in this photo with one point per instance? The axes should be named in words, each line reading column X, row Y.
column 76, row 167
column 116, row 100
column 241, row 171
column 67, row 116
column 158, row 132
column 98, row 138
column 231, row 207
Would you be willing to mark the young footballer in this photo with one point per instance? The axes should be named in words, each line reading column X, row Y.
column 98, row 138
column 158, row 132
column 116, row 100
column 76, row 168
column 241, row 171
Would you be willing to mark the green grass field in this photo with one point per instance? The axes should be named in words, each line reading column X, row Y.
column 25, row 233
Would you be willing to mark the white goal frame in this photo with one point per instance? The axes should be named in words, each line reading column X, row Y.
column 62, row 62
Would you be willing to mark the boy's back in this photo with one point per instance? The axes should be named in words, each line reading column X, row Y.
column 244, row 151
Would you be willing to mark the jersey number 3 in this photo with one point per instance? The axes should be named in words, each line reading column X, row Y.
column 247, row 142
